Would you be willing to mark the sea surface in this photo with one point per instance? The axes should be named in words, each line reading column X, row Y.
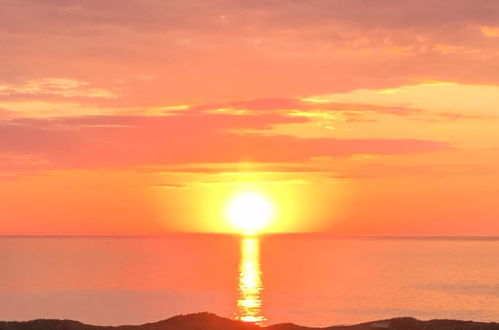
column 306, row 279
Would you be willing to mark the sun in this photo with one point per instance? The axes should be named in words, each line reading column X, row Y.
column 250, row 212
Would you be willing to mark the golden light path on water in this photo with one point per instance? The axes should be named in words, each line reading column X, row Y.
column 249, row 303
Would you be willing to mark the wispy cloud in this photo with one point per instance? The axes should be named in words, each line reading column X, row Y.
column 66, row 88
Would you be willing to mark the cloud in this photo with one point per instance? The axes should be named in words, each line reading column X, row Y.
column 275, row 104
column 157, row 15
column 187, row 52
column 214, row 168
column 490, row 31
column 377, row 170
column 62, row 87
column 450, row 116
column 119, row 141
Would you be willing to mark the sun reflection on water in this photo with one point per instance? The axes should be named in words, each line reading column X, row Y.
column 249, row 303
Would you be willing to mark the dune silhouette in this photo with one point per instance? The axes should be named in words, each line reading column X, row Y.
column 209, row 321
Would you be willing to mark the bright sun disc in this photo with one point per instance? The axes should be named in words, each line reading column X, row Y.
column 250, row 212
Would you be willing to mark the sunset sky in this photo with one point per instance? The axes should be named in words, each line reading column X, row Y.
column 352, row 117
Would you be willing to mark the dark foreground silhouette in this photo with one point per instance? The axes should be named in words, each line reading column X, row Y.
column 208, row 321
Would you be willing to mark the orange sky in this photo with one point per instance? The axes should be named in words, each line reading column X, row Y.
column 144, row 117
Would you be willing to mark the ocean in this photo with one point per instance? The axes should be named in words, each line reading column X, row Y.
column 314, row 280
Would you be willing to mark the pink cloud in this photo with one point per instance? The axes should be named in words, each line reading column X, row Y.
column 188, row 52
column 117, row 141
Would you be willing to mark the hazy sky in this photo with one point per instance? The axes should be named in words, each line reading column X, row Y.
column 352, row 117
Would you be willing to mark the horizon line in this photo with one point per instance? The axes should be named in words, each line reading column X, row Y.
column 322, row 234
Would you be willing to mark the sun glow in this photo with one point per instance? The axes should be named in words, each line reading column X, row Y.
column 250, row 212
